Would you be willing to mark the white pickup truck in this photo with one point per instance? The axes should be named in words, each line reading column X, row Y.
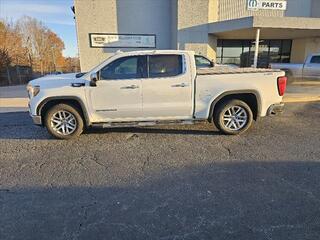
column 309, row 70
column 146, row 88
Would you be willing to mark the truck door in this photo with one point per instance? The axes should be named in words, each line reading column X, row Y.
column 312, row 68
column 167, row 91
column 118, row 94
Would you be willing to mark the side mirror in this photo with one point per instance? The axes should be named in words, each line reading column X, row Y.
column 211, row 64
column 93, row 79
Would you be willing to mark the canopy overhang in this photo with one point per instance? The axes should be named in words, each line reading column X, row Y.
column 271, row 28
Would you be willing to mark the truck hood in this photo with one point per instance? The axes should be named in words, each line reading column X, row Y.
column 57, row 80
column 54, row 77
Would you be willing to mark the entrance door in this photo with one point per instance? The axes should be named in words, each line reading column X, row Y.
column 167, row 92
column 118, row 94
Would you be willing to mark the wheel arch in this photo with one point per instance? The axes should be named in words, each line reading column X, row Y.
column 251, row 97
column 49, row 102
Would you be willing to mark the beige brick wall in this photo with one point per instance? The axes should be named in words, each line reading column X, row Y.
column 231, row 9
column 122, row 17
column 301, row 48
column 192, row 26
column 89, row 20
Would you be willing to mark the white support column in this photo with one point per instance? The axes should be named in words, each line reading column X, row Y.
column 256, row 53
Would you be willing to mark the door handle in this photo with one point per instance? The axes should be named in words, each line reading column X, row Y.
column 180, row 85
column 77, row 84
column 130, row 87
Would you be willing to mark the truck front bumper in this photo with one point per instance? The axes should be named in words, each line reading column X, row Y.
column 275, row 109
column 36, row 120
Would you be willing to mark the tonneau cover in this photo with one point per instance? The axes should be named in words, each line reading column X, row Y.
column 230, row 70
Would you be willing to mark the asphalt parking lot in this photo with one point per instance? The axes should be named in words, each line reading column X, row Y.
column 177, row 182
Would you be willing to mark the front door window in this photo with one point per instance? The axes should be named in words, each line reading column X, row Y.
column 123, row 68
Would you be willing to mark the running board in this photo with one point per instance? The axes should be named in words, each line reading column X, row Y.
column 144, row 123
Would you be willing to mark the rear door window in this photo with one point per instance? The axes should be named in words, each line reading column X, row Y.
column 165, row 65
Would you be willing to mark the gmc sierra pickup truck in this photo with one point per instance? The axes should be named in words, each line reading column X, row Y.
column 147, row 88
column 309, row 70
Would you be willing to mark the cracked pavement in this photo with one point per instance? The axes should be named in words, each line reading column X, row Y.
column 177, row 182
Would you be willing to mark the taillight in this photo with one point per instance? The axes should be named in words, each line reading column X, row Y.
column 282, row 84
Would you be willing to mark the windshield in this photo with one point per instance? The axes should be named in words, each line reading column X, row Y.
column 99, row 65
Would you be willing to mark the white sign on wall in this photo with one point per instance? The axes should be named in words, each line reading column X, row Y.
column 267, row 5
column 108, row 40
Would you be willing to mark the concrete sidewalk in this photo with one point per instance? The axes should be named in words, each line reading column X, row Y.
column 14, row 99
column 18, row 91
column 306, row 91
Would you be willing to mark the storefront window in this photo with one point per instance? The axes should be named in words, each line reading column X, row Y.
column 241, row 52
column 232, row 48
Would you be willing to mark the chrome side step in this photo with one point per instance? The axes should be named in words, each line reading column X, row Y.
column 144, row 123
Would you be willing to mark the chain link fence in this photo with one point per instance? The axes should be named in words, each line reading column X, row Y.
column 16, row 75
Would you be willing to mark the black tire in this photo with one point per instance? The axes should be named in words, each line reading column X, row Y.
column 76, row 121
column 225, row 126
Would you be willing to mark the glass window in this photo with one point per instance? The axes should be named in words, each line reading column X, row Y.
column 232, row 48
column 202, row 62
column 123, row 68
column 246, row 56
column 165, row 65
column 315, row 59
column 274, row 58
column 285, row 59
column 229, row 51
column 234, row 60
column 219, row 48
column 246, row 59
column 275, row 47
column 286, row 47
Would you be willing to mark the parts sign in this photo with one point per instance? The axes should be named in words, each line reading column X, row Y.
column 267, row 5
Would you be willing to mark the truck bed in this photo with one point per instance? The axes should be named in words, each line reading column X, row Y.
column 228, row 70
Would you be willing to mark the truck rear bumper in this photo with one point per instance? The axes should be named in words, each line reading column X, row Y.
column 275, row 109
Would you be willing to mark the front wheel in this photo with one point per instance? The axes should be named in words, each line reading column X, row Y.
column 233, row 117
column 64, row 121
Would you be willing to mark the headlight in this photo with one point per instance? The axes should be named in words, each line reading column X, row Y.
column 33, row 90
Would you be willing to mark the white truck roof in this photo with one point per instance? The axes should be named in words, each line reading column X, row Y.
column 143, row 52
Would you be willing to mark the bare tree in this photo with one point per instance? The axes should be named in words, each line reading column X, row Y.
column 29, row 42
column 44, row 46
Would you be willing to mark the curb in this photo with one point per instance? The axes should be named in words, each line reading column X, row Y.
column 13, row 102
column 301, row 99
column 306, row 83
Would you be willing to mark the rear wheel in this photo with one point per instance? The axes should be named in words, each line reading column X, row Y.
column 64, row 121
column 233, row 117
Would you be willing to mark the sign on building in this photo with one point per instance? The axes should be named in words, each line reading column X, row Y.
column 108, row 40
column 267, row 5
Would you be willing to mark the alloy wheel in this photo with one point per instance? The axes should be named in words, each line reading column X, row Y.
column 235, row 118
column 63, row 122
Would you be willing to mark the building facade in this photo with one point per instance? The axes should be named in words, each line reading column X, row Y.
column 224, row 30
